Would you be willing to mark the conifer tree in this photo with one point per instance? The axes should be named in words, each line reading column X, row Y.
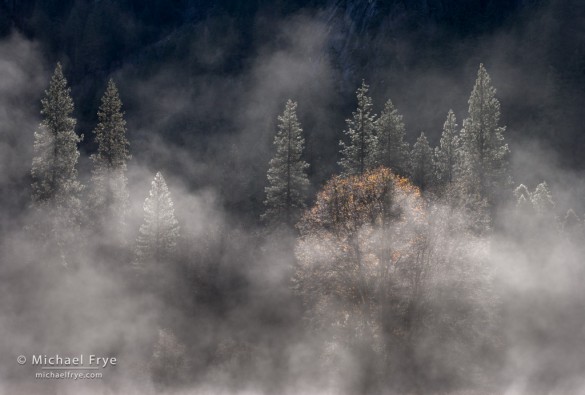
column 109, row 195
column 54, row 173
column 523, row 199
column 484, row 151
column 542, row 200
column 159, row 233
column 287, row 175
column 392, row 150
column 55, row 187
column 422, row 167
column 446, row 154
column 359, row 152
column 522, row 192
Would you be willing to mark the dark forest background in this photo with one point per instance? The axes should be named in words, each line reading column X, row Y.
column 242, row 307
column 207, row 58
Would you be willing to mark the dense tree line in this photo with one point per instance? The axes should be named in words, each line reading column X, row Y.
column 389, row 259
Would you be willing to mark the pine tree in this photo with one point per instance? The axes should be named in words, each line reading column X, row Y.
column 542, row 200
column 109, row 195
column 523, row 199
column 446, row 154
column 359, row 153
column 159, row 233
column 55, row 187
column 54, row 172
column 392, row 150
column 522, row 192
column 422, row 167
column 484, row 151
column 287, row 177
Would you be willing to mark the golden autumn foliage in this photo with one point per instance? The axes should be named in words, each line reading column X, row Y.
column 375, row 259
column 348, row 203
column 353, row 239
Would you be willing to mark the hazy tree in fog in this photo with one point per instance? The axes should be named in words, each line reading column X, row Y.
column 447, row 153
column 522, row 192
column 287, row 175
column 542, row 200
column 167, row 364
column 358, row 153
column 159, row 233
column 383, row 274
column 572, row 225
column 484, row 150
column 392, row 150
column 55, row 187
column 422, row 168
column 54, row 174
column 523, row 198
column 109, row 195
column 347, row 252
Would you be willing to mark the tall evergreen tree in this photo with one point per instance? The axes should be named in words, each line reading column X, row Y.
column 55, row 187
column 287, row 175
column 446, row 154
column 359, row 152
column 109, row 195
column 159, row 233
column 422, row 166
column 54, row 173
column 484, row 151
column 392, row 150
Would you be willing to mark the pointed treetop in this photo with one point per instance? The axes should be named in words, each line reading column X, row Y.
column 159, row 180
column 483, row 93
column 542, row 199
column 287, row 178
column 422, row 162
column 522, row 192
column 111, row 130
column 158, row 235
column 57, row 98
column 391, row 149
column 359, row 151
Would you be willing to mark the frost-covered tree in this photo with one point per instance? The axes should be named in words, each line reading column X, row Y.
column 358, row 153
column 109, row 195
column 392, row 150
column 287, row 175
column 542, row 200
column 54, row 173
column 446, row 154
column 159, row 233
column 523, row 198
column 55, row 187
column 422, row 167
column 537, row 205
column 483, row 148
